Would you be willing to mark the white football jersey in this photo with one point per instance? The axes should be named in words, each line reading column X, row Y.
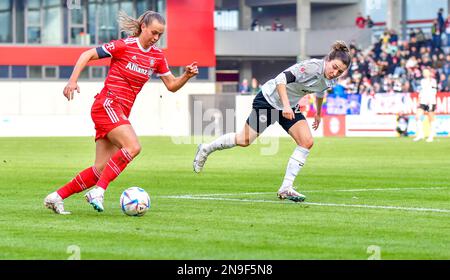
column 428, row 91
column 309, row 78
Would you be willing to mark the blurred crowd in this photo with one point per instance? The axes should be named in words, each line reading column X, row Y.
column 393, row 65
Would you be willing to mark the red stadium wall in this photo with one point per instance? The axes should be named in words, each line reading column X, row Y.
column 190, row 37
column 190, row 32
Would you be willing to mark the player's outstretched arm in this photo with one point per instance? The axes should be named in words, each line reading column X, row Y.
column 82, row 61
column 173, row 83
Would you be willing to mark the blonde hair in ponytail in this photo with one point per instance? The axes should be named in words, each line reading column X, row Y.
column 339, row 50
column 132, row 26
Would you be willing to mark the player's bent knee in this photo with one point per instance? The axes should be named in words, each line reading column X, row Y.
column 134, row 150
column 308, row 143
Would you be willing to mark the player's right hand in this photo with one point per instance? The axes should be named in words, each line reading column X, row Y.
column 69, row 88
column 288, row 113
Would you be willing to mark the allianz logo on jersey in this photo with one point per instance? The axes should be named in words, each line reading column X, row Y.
column 134, row 67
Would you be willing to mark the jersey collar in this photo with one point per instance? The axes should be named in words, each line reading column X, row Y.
column 140, row 46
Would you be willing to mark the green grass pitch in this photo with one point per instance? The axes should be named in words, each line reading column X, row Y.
column 389, row 194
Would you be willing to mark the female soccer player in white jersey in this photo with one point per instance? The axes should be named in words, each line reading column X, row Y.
column 133, row 61
column 276, row 101
column 427, row 103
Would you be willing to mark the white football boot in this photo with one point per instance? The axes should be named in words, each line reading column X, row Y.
column 54, row 202
column 291, row 194
column 200, row 158
column 95, row 198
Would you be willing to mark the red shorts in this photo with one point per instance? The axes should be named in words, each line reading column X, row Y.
column 107, row 114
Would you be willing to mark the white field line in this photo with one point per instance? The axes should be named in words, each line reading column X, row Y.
column 325, row 190
column 413, row 209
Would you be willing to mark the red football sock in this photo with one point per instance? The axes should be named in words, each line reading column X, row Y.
column 115, row 166
column 84, row 180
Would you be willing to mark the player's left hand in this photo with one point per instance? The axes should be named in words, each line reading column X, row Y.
column 317, row 119
column 191, row 70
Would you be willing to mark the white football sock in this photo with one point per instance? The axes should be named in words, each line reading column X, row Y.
column 419, row 129
column 296, row 162
column 432, row 131
column 99, row 191
column 225, row 141
column 55, row 196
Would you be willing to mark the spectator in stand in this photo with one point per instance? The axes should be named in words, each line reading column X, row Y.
column 366, row 87
column 393, row 36
column 360, row 21
column 369, row 22
column 414, row 51
column 363, row 65
column 426, row 61
column 385, row 37
column 416, row 78
column 394, row 62
column 444, row 83
column 255, row 25
column 436, row 36
column 437, row 61
column 244, row 88
column 383, row 63
column 441, row 21
column 421, row 39
column 350, row 86
column 406, row 86
column 354, row 66
column 446, row 66
column 447, row 30
column 392, row 48
column 397, row 83
column 412, row 33
column 255, row 86
column 400, row 69
column 277, row 25
column 411, row 63
column 377, row 88
column 441, row 60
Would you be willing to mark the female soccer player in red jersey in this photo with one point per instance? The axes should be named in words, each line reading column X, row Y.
column 133, row 61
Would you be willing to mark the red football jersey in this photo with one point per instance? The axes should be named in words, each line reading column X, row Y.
column 131, row 67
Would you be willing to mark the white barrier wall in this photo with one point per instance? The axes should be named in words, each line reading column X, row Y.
column 40, row 109
column 33, row 108
column 371, row 126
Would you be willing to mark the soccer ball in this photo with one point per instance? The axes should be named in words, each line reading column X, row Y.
column 134, row 201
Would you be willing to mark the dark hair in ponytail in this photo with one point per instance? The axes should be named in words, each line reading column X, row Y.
column 339, row 50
